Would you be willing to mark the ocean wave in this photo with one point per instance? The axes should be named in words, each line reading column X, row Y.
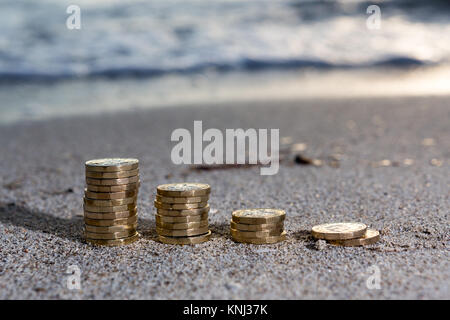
column 246, row 65
column 135, row 38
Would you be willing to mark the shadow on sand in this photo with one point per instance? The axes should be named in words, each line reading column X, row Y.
column 35, row 220
column 70, row 229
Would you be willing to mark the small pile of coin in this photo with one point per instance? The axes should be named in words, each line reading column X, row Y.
column 258, row 226
column 182, row 213
column 110, row 201
column 346, row 233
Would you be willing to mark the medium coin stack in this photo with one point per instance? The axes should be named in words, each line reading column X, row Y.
column 182, row 213
column 110, row 201
column 346, row 233
column 258, row 226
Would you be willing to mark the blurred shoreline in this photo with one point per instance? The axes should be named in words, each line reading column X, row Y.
column 31, row 100
column 135, row 54
column 162, row 37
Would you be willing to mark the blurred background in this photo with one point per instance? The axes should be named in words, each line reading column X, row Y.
column 138, row 54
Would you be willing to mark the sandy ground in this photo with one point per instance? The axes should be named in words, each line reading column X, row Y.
column 42, row 178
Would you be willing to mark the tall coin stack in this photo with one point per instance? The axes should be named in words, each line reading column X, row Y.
column 182, row 213
column 258, row 226
column 347, row 234
column 110, row 201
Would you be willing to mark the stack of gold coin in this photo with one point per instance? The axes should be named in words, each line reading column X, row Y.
column 258, row 226
column 346, row 233
column 110, row 201
column 182, row 213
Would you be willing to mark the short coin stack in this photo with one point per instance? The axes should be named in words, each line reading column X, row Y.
column 110, row 201
column 182, row 213
column 258, row 226
column 346, row 233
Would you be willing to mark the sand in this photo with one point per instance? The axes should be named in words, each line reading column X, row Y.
column 42, row 181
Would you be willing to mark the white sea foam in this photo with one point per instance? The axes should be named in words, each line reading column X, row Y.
column 147, row 38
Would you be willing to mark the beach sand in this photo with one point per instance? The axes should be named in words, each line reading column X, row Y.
column 42, row 182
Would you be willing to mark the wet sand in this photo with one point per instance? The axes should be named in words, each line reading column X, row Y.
column 42, row 181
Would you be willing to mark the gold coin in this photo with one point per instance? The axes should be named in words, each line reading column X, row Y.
column 258, row 216
column 111, row 164
column 183, row 213
column 109, row 195
column 110, row 203
column 370, row 237
column 182, row 233
column 267, row 240
column 186, row 189
column 111, row 209
column 185, row 240
column 180, row 206
column 116, row 242
column 185, row 219
column 256, row 227
column 111, row 229
column 112, row 175
column 111, row 182
column 181, row 200
column 255, row 234
column 109, row 223
column 182, row 226
column 120, row 188
column 339, row 231
column 111, row 215
column 109, row 236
